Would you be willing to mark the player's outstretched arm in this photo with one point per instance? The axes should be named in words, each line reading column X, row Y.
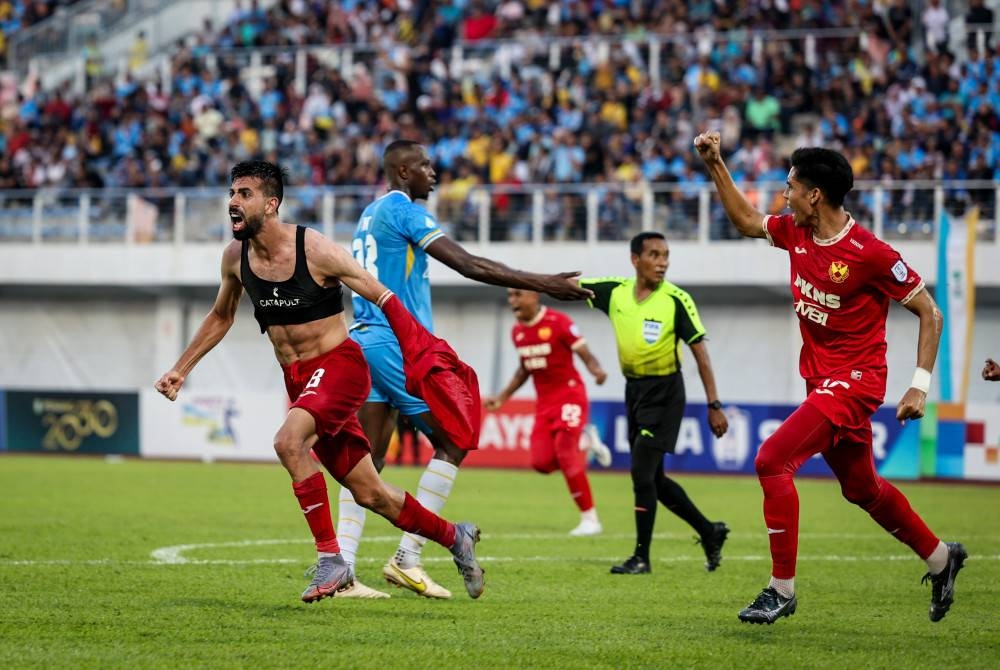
column 991, row 371
column 516, row 382
column 747, row 218
column 562, row 286
column 593, row 365
column 716, row 417
column 335, row 262
column 213, row 327
column 911, row 405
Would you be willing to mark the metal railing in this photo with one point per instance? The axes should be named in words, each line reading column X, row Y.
column 69, row 29
column 535, row 213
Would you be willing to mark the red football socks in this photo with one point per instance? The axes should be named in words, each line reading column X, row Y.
column 892, row 511
column 573, row 465
column 781, row 515
column 417, row 519
column 315, row 505
column 579, row 488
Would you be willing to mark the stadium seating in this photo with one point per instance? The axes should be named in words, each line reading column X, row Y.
column 585, row 96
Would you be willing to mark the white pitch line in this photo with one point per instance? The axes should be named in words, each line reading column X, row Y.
column 175, row 554
column 484, row 559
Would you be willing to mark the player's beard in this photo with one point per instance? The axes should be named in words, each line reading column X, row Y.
column 251, row 226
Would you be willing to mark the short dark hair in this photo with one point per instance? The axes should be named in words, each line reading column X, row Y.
column 272, row 177
column 639, row 240
column 826, row 170
column 393, row 153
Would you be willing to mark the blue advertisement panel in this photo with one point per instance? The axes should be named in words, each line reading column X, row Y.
column 3, row 421
column 895, row 447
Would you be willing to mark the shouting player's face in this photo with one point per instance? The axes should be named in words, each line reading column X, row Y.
column 247, row 207
column 523, row 303
column 801, row 199
column 651, row 265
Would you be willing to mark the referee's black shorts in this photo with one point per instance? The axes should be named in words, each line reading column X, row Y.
column 655, row 407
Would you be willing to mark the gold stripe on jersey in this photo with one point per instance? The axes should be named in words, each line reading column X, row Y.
column 426, row 239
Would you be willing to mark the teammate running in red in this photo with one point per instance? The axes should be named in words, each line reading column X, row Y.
column 545, row 340
column 842, row 278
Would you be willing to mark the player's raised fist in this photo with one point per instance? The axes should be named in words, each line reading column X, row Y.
column 169, row 384
column 707, row 145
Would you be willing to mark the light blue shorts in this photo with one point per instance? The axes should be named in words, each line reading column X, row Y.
column 385, row 360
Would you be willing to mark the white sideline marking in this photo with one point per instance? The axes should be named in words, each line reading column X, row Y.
column 175, row 554
column 484, row 559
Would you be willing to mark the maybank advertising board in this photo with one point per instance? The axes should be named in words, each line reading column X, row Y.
column 505, row 439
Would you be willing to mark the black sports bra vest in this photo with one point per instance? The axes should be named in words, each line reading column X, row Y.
column 298, row 299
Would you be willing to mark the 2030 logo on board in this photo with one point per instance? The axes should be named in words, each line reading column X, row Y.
column 68, row 422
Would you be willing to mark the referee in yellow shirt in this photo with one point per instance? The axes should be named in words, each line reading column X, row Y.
column 651, row 318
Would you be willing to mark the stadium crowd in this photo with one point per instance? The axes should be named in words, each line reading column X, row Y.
column 16, row 15
column 888, row 92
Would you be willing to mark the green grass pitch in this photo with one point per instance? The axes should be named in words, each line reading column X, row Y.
column 187, row 565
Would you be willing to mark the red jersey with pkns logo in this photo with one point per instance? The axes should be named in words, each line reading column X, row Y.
column 545, row 346
column 841, row 289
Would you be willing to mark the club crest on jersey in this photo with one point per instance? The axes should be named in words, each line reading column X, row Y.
column 544, row 332
column 651, row 331
column 839, row 271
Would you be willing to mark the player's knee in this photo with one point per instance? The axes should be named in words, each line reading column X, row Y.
column 449, row 453
column 769, row 461
column 287, row 445
column 862, row 496
column 544, row 467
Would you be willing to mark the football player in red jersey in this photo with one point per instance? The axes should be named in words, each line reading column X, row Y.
column 545, row 340
column 842, row 279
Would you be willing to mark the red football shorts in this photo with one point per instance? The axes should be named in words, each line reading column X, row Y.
column 568, row 414
column 848, row 399
column 332, row 387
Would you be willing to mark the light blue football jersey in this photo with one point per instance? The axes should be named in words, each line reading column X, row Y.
column 389, row 242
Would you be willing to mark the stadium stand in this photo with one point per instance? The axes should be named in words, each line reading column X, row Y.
column 611, row 101
column 16, row 15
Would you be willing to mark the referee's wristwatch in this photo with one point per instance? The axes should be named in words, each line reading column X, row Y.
column 715, row 404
